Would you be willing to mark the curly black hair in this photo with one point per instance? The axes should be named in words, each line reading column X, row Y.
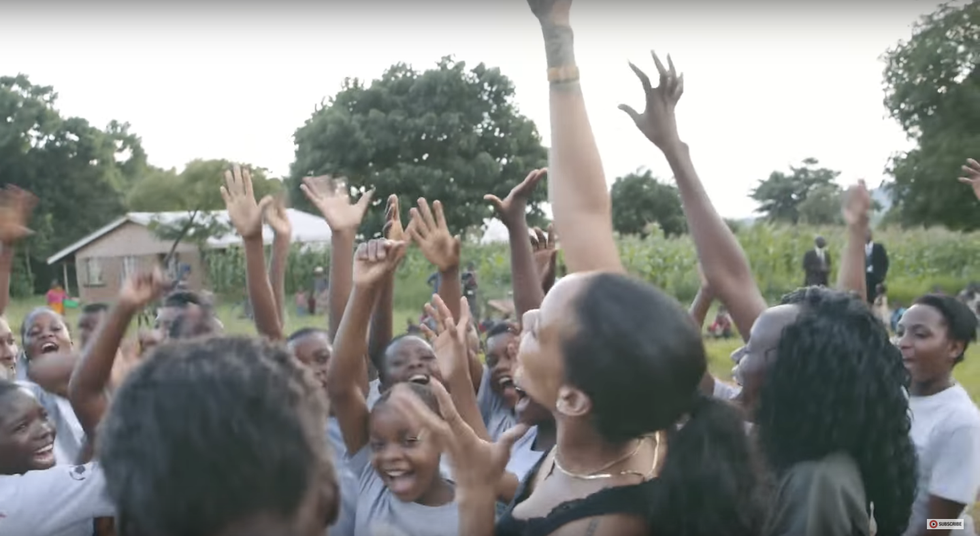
column 838, row 384
column 211, row 433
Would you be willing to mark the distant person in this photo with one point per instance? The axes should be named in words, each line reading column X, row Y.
column 880, row 306
column 876, row 265
column 470, row 287
column 721, row 328
column 816, row 264
column 320, row 285
column 56, row 297
column 302, row 302
column 896, row 316
column 433, row 282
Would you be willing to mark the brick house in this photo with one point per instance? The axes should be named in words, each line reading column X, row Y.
column 106, row 257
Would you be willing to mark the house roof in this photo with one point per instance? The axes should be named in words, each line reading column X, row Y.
column 307, row 229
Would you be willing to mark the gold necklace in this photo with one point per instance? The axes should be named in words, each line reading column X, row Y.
column 598, row 474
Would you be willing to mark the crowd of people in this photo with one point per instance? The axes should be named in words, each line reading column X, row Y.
column 595, row 414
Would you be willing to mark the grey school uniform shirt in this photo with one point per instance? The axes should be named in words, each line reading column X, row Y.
column 346, row 482
column 379, row 513
column 61, row 501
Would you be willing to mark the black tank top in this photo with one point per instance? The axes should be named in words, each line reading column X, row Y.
column 630, row 500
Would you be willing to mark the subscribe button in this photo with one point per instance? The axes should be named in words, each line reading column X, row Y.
column 944, row 524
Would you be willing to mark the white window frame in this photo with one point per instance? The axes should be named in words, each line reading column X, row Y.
column 94, row 276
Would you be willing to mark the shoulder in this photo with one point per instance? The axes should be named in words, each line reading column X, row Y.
column 835, row 475
column 959, row 410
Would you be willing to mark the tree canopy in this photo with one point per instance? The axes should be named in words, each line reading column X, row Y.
column 804, row 195
column 639, row 200
column 932, row 88
column 76, row 170
column 447, row 133
column 197, row 187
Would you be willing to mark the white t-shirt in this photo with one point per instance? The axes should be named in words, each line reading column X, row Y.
column 61, row 501
column 946, row 434
column 725, row 391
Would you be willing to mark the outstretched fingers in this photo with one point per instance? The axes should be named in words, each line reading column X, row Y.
column 410, row 403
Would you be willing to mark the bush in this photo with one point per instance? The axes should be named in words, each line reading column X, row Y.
column 920, row 259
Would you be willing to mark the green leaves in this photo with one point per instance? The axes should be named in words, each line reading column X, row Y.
column 446, row 133
column 932, row 88
column 640, row 200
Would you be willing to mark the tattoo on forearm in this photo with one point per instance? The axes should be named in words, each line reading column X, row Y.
column 593, row 525
column 559, row 45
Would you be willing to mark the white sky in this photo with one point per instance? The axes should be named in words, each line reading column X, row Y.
column 765, row 85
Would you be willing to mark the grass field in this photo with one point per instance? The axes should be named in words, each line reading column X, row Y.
column 967, row 373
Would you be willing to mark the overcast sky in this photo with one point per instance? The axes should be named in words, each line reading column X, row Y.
column 766, row 84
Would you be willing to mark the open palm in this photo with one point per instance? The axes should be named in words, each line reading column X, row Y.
column 429, row 231
column 245, row 214
column 972, row 170
column 375, row 259
column 276, row 216
column 657, row 122
column 16, row 206
column 514, row 205
column 332, row 198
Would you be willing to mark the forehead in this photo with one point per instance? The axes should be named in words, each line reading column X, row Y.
column 311, row 342
column 389, row 420
column 769, row 326
column 924, row 315
column 4, row 327
column 559, row 300
column 91, row 316
column 407, row 346
column 500, row 341
column 16, row 403
column 41, row 318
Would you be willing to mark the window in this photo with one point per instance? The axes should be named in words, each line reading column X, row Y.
column 93, row 272
column 129, row 267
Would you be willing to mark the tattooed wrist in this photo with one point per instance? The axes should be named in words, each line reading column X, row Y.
column 558, row 45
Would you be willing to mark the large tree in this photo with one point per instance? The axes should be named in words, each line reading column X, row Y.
column 77, row 170
column 447, row 133
column 197, row 187
column 932, row 88
column 782, row 195
column 639, row 200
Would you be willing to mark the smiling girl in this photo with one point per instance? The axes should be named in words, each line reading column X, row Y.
column 38, row 497
column 396, row 461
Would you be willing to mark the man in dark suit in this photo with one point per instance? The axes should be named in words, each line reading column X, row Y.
column 816, row 264
column 875, row 265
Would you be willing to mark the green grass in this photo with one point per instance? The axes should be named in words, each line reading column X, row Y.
column 719, row 351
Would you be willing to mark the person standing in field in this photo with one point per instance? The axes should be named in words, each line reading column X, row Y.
column 875, row 265
column 320, row 286
column 56, row 297
column 816, row 264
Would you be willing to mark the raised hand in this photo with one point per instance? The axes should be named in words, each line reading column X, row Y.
column 450, row 338
column 657, row 122
column 142, row 288
column 476, row 462
column 856, row 208
column 515, row 204
column 393, row 229
column 972, row 170
column 428, row 229
column 16, row 206
column 245, row 214
column 551, row 11
column 332, row 198
column 545, row 247
column 275, row 216
column 376, row 258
